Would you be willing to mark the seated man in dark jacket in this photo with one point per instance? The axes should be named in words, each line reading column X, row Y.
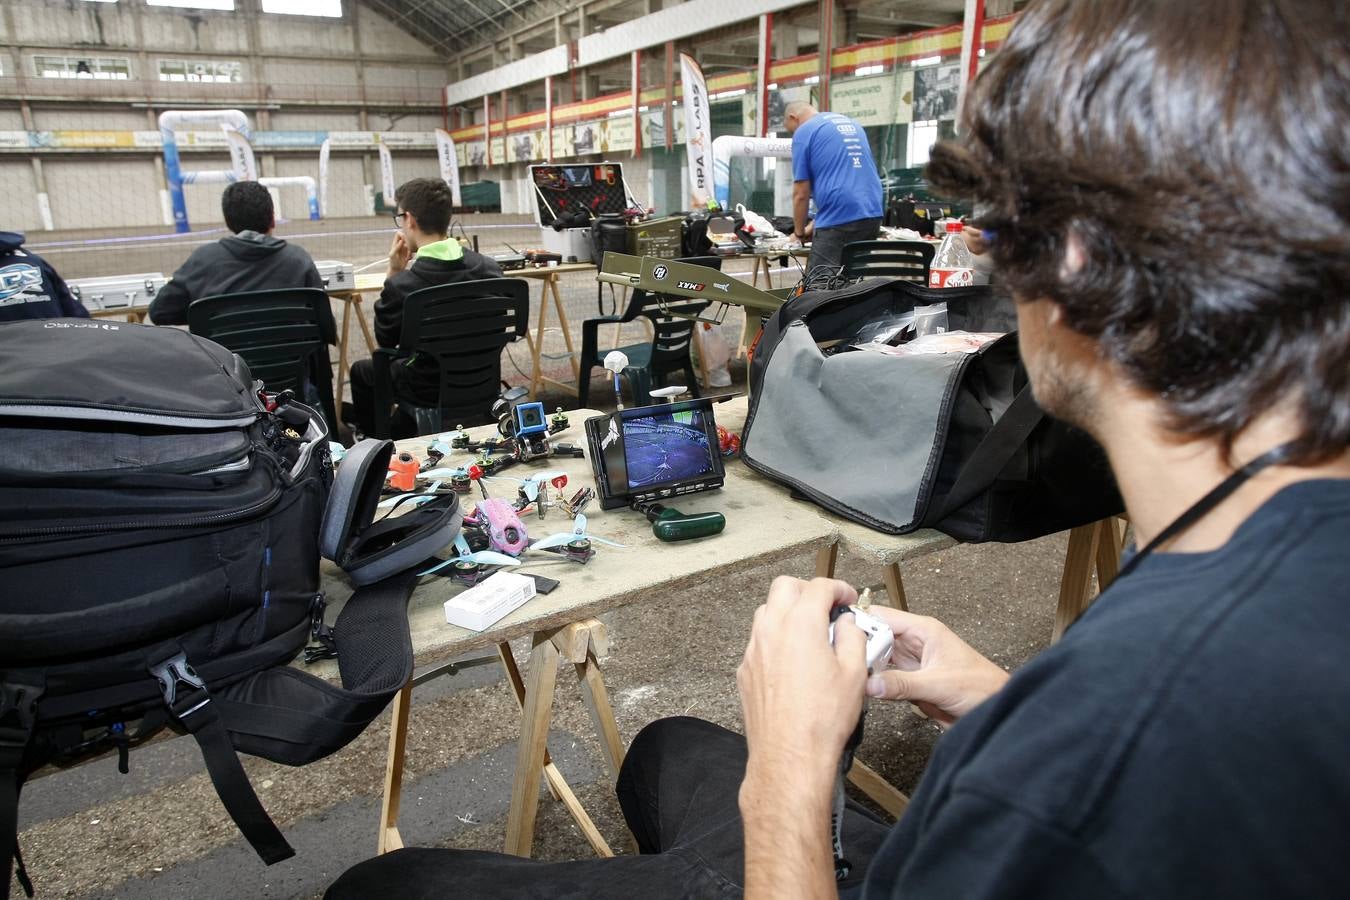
column 421, row 256
column 29, row 286
column 251, row 259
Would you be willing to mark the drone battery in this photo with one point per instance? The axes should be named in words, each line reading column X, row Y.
column 484, row 603
column 542, row 258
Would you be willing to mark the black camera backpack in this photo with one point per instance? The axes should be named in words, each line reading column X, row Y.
column 159, row 564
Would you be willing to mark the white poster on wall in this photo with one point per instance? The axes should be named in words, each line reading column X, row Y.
column 875, row 100
column 936, row 90
column 324, row 150
column 387, row 175
column 697, row 129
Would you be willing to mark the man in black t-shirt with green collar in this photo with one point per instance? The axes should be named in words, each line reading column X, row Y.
column 422, row 255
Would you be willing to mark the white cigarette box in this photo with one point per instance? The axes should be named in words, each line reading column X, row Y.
column 485, row 603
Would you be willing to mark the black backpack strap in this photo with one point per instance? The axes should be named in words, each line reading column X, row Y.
column 287, row 716
column 993, row 453
column 18, row 718
column 186, row 696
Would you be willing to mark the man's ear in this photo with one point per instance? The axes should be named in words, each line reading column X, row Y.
column 1074, row 256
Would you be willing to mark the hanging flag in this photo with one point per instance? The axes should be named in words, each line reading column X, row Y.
column 324, row 150
column 241, row 154
column 445, row 151
column 387, row 174
column 697, row 130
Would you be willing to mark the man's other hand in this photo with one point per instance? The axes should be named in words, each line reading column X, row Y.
column 801, row 697
column 975, row 240
column 399, row 253
column 934, row 669
column 793, row 240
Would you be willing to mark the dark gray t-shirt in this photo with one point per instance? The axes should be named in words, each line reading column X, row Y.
column 1189, row 737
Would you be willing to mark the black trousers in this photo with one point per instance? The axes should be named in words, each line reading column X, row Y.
column 827, row 244
column 362, row 380
column 678, row 790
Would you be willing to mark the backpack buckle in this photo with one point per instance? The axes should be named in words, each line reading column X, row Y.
column 173, row 672
column 18, row 713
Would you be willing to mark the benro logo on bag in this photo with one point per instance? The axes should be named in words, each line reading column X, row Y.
column 659, row 273
column 724, row 288
column 689, row 286
column 951, row 278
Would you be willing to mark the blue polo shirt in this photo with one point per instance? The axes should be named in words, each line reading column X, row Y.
column 830, row 151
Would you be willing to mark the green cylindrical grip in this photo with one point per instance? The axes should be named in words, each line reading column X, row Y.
column 671, row 525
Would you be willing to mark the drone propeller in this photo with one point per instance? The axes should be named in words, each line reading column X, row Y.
column 446, row 472
column 418, row 497
column 578, row 533
column 530, row 486
column 481, row 558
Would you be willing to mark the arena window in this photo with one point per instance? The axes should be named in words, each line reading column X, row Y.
column 99, row 67
column 200, row 70
column 224, row 5
column 330, row 8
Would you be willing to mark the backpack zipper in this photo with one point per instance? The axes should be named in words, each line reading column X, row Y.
column 101, row 414
column 191, row 521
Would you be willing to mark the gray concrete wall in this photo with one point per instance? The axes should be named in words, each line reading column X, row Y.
column 312, row 68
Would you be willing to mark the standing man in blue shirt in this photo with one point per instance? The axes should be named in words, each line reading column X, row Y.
column 832, row 163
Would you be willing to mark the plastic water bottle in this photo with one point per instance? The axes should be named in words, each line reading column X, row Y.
column 953, row 265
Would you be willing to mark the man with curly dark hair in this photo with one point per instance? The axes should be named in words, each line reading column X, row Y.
column 1168, row 189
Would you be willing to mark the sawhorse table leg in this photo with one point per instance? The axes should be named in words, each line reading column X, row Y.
column 350, row 304
column 1095, row 545
column 548, row 290
column 581, row 644
column 389, row 838
column 828, row 556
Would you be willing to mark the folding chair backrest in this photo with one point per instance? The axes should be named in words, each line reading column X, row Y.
column 282, row 334
column 463, row 327
column 903, row 260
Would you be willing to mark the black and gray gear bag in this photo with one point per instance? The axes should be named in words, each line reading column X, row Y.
column 159, row 566
column 952, row 441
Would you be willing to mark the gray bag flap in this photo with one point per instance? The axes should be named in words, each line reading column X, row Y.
column 826, row 425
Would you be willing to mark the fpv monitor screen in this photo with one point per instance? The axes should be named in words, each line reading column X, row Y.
column 666, row 448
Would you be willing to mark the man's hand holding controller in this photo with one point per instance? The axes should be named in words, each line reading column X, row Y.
column 880, row 640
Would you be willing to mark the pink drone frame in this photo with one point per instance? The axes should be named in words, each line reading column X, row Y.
column 502, row 524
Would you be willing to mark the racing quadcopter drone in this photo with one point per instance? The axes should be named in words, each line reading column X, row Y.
column 493, row 535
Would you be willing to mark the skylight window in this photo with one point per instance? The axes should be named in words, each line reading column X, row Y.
column 225, row 5
column 330, row 8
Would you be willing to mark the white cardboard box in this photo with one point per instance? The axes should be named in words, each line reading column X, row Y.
column 573, row 244
column 486, row 602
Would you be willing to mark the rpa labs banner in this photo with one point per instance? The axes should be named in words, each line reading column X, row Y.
column 697, row 130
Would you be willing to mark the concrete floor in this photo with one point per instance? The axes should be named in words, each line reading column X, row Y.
column 161, row 832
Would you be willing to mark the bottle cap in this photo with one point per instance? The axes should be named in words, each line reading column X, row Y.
column 954, row 226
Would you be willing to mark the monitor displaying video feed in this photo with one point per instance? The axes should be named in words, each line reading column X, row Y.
column 665, row 448
column 653, row 452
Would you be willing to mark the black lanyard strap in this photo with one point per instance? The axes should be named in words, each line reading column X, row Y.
column 1206, row 504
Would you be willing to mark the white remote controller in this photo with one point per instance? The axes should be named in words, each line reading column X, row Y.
column 879, row 638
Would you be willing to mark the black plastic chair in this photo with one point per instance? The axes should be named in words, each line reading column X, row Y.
column 462, row 328
column 282, row 334
column 903, row 260
column 668, row 350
